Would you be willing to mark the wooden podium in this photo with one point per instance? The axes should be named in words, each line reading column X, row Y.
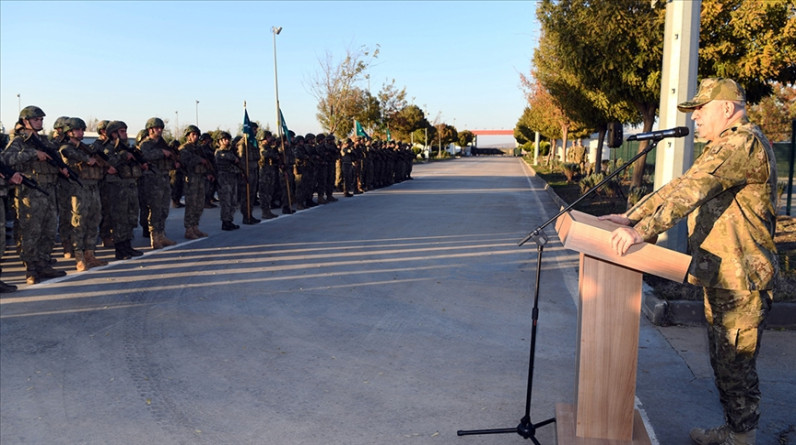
column 608, row 331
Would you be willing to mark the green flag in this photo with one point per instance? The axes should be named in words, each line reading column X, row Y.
column 283, row 124
column 360, row 132
column 389, row 136
column 247, row 128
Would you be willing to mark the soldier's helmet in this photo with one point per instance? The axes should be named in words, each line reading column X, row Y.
column 74, row 123
column 330, row 137
column 262, row 134
column 298, row 139
column 205, row 137
column 103, row 125
column 31, row 112
column 140, row 136
column 114, row 126
column 224, row 135
column 191, row 129
column 59, row 123
column 309, row 137
column 155, row 122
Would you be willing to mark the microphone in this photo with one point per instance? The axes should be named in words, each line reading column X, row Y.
column 676, row 132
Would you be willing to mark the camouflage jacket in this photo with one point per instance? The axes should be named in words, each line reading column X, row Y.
column 729, row 196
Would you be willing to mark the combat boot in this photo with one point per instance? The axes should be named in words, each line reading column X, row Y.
column 199, row 232
column 121, row 252
column 227, row 225
column 107, row 242
column 80, row 261
column 287, row 210
column 269, row 215
column 31, row 273
column 93, row 261
column 156, row 241
column 710, row 436
column 165, row 241
column 190, row 233
column 322, row 200
column 69, row 250
column 129, row 249
column 330, row 198
column 747, row 438
column 6, row 288
column 45, row 271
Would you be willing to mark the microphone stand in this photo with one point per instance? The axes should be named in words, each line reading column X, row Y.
column 526, row 428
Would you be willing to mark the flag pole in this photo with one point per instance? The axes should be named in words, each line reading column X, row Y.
column 246, row 152
column 276, row 30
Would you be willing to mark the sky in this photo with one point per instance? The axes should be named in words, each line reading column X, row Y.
column 459, row 61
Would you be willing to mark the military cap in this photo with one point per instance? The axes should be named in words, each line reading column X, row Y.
column 59, row 123
column 74, row 123
column 103, row 125
column 114, row 126
column 155, row 122
column 714, row 88
column 30, row 112
column 191, row 129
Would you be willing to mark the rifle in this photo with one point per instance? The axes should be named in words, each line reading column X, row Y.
column 8, row 172
column 139, row 159
column 99, row 155
column 56, row 161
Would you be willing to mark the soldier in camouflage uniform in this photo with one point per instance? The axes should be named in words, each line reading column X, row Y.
column 269, row 172
column 347, row 164
column 16, row 178
column 287, row 177
column 249, row 156
column 105, row 223
column 331, row 154
column 63, row 191
column 229, row 173
column 155, row 182
column 36, row 212
column 123, row 187
column 197, row 170
column 208, row 152
column 729, row 197
column 85, row 201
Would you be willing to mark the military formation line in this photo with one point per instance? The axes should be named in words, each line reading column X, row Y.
column 64, row 191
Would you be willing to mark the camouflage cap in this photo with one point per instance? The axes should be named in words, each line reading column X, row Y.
column 103, row 125
column 714, row 88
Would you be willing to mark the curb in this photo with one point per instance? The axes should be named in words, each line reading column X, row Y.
column 692, row 313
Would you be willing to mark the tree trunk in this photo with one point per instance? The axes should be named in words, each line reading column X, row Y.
column 648, row 112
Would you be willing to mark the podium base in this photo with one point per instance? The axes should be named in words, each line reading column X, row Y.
column 565, row 430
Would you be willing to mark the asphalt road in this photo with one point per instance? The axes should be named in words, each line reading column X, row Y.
column 397, row 316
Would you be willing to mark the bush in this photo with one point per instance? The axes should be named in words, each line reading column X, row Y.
column 570, row 169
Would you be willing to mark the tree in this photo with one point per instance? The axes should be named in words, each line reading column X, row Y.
column 335, row 86
column 466, row 138
column 406, row 121
column 776, row 113
column 616, row 47
column 392, row 101
column 751, row 41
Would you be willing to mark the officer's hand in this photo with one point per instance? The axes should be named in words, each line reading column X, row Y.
column 91, row 161
column 615, row 218
column 624, row 237
column 112, row 170
column 16, row 178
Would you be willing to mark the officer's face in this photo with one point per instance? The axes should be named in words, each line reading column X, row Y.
column 712, row 118
column 122, row 132
column 76, row 133
column 192, row 137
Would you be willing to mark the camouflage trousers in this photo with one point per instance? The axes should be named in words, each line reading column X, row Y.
column 64, row 190
column 86, row 215
column 228, row 195
column 348, row 177
column 269, row 175
column 735, row 326
column 252, row 179
column 106, row 226
column 123, row 209
column 156, row 196
column 194, row 199
column 37, row 214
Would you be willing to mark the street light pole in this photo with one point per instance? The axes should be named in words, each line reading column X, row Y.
column 176, row 123
column 276, row 30
column 19, row 102
column 197, row 112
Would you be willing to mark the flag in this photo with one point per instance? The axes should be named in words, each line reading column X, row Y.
column 389, row 136
column 360, row 132
column 283, row 125
column 247, row 129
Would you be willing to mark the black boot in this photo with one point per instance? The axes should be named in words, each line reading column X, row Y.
column 121, row 252
column 129, row 248
column 44, row 270
column 227, row 225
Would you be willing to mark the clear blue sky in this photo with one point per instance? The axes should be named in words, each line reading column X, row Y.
column 458, row 60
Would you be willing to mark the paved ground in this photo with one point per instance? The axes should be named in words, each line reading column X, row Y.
column 398, row 316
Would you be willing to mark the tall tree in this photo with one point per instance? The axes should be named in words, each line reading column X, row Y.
column 409, row 119
column 392, row 101
column 776, row 113
column 335, row 86
column 616, row 47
